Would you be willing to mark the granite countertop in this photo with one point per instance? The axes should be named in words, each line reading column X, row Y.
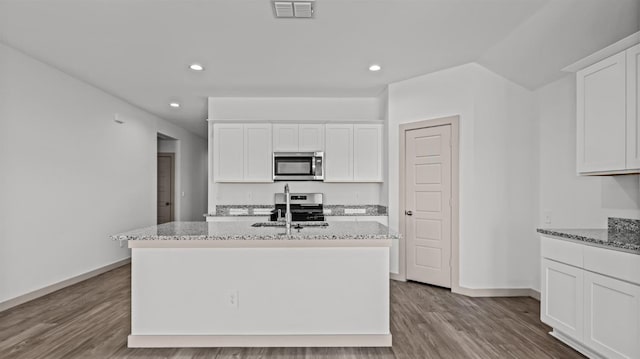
column 620, row 240
column 242, row 230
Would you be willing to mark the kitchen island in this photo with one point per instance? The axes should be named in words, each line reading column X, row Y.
column 215, row 284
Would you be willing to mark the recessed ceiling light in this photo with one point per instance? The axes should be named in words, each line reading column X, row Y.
column 196, row 67
column 174, row 104
column 375, row 68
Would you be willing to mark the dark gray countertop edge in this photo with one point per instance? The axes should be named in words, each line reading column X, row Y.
column 616, row 246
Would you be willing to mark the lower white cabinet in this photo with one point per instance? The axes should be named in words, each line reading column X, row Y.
column 562, row 302
column 591, row 298
column 612, row 316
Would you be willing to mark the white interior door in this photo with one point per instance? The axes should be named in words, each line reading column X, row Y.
column 428, row 205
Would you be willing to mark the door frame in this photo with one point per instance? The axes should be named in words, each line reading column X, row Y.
column 173, row 183
column 454, row 122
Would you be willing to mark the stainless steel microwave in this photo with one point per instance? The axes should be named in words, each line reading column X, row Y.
column 298, row 166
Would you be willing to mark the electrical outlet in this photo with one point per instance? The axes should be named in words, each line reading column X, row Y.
column 546, row 217
column 249, row 196
column 232, row 299
column 182, row 194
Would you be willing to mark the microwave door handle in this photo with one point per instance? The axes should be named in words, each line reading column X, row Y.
column 313, row 166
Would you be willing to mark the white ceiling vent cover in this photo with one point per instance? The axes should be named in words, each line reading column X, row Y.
column 302, row 9
column 294, row 9
column 283, row 9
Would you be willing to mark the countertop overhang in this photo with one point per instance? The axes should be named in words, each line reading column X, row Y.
column 241, row 234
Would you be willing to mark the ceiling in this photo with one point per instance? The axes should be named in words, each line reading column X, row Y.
column 140, row 50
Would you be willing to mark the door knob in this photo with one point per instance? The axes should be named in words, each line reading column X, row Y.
column 167, row 204
column 408, row 213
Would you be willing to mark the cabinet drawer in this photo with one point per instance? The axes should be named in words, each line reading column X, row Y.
column 625, row 266
column 562, row 251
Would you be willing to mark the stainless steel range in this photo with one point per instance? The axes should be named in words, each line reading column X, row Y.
column 305, row 207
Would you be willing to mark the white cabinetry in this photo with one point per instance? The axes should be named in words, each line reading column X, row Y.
column 353, row 153
column 338, row 153
column 285, row 138
column 607, row 115
column 311, row 138
column 633, row 107
column 591, row 298
column 228, row 161
column 258, row 156
column 367, row 153
column 612, row 316
column 298, row 137
column 561, row 305
column 242, row 152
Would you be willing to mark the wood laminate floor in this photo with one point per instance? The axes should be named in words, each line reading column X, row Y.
column 92, row 320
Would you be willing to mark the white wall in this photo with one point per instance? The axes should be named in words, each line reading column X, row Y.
column 71, row 176
column 498, row 168
column 296, row 109
column 573, row 201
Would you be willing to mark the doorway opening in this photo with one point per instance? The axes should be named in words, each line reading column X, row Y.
column 429, row 213
column 166, row 179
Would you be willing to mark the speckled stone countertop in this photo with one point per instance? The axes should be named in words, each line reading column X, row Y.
column 619, row 236
column 242, row 230
column 262, row 210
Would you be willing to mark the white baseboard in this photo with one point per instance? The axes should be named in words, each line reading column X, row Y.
column 575, row 345
column 397, row 277
column 262, row 341
column 498, row 292
column 59, row 285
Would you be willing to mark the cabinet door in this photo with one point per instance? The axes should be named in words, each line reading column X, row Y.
column 285, row 137
column 561, row 300
column 311, row 138
column 612, row 316
column 258, row 156
column 633, row 107
column 367, row 153
column 229, row 152
column 338, row 153
column 601, row 116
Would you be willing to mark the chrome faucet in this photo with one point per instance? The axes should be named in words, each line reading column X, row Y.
column 287, row 213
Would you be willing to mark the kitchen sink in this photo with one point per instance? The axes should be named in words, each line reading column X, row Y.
column 296, row 225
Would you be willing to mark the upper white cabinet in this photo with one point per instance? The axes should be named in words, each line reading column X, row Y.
column 338, row 153
column 311, row 138
column 353, row 153
column 607, row 115
column 228, row 159
column 367, row 153
column 633, row 107
column 298, row 137
column 242, row 152
column 258, row 156
column 285, row 138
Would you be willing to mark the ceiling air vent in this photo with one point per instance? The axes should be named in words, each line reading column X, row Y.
column 293, row 9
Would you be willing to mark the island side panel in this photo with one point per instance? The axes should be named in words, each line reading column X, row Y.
column 278, row 291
